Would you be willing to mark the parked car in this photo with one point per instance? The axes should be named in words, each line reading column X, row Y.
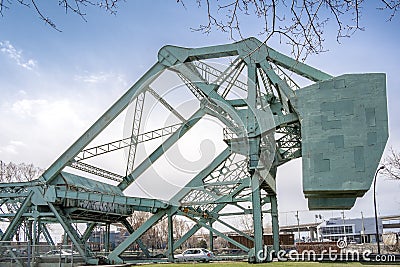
column 11, row 254
column 63, row 253
column 195, row 254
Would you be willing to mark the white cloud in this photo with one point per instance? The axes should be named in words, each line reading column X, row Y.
column 22, row 92
column 53, row 112
column 12, row 147
column 46, row 126
column 28, row 107
column 100, row 77
column 48, row 113
column 7, row 48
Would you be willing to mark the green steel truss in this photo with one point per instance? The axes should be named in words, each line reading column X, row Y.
column 276, row 121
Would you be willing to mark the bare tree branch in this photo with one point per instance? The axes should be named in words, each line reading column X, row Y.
column 299, row 23
column 392, row 165
column 74, row 6
column 12, row 172
column 392, row 5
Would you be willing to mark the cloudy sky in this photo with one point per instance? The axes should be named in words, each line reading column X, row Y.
column 54, row 85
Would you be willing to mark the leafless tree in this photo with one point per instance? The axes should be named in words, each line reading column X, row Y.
column 245, row 223
column 268, row 228
column 392, row 164
column 11, row 172
column 157, row 236
column 22, row 172
column 219, row 242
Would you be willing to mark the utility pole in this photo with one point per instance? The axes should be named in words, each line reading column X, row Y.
column 344, row 227
column 362, row 229
column 1, row 171
column 298, row 223
column 376, row 213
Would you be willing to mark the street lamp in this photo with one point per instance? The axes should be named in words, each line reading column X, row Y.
column 376, row 215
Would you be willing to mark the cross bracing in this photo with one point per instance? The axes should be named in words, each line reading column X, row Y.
column 257, row 100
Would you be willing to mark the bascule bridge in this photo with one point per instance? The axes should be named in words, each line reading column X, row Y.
column 337, row 125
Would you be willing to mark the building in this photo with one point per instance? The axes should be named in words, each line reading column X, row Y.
column 285, row 239
column 361, row 230
column 97, row 240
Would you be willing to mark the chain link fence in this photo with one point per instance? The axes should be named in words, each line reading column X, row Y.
column 27, row 255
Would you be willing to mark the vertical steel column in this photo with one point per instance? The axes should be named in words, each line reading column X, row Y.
column 30, row 250
column 30, row 232
column 107, row 238
column 257, row 216
column 211, row 238
column 254, row 152
column 65, row 238
column 170, row 238
column 34, row 237
column 275, row 222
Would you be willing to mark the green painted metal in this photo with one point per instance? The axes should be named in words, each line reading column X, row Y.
column 142, row 204
column 235, row 229
column 136, row 121
column 107, row 238
column 338, row 125
column 114, row 255
column 80, row 246
column 198, row 179
column 344, row 129
column 12, row 228
column 88, row 231
column 205, row 225
column 215, row 213
column 47, row 235
column 275, row 222
column 65, row 179
column 125, row 142
column 186, row 236
column 170, row 238
column 195, row 182
column 130, row 229
column 211, row 238
column 257, row 216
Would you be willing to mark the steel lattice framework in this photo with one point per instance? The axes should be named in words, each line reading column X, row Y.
column 275, row 122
